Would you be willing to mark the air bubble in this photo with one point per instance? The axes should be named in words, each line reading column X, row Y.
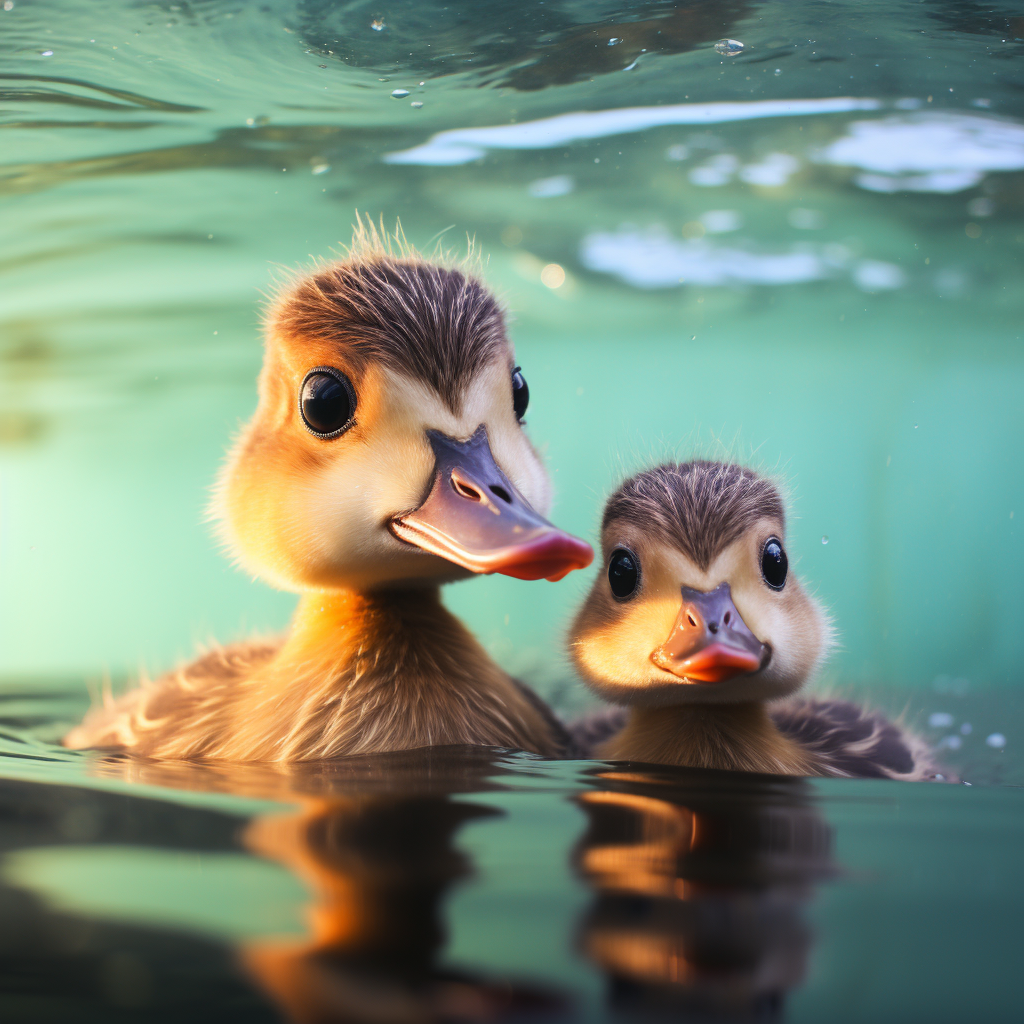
column 824, row 539
column 378, row 24
column 46, row 53
column 399, row 94
column 940, row 720
column 416, row 104
column 728, row 47
column 997, row 741
column 614, row 41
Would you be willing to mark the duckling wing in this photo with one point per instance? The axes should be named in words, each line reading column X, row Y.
column 170, row 716
column 854, row 742
column 560, row 735
column 589, row 732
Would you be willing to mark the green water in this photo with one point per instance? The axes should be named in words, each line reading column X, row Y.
column 828, row 289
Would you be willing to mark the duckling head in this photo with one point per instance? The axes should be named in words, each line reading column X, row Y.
column 697, row 603
column 388, row 448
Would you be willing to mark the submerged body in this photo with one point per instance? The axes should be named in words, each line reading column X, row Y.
column 386, row 456
column 700, row 630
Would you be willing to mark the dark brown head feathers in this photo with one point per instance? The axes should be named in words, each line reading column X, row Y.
column 699, row 507
column 433, row 323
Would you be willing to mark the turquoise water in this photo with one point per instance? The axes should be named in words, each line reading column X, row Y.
column 806, row 255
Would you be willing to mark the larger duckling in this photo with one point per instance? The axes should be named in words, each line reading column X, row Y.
column 386, row 456
column 699, row 626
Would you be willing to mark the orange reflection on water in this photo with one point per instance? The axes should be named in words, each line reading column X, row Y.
column 373, row 839
column 700, row 884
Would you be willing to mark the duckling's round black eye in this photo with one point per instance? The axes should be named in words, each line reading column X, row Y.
column 327, row 401
column 774, row 563
column 623, row 573
column 520, row 393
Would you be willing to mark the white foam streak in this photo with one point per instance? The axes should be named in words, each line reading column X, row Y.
column 653, row 259
column 937, row 181
column 931, row 151
column 462, row 145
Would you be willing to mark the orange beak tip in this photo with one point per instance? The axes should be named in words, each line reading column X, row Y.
column 712, row 664
column 550, row 558
column 551, row 555
column 718, row 662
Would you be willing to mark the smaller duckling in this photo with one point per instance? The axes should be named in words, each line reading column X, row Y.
column 698, row 623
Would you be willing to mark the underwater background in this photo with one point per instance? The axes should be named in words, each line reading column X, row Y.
column 800, row 248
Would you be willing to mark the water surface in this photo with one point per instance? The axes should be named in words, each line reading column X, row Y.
column 462, row 884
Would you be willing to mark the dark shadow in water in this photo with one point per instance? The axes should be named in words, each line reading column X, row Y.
column 982, row 19
column 58, row 966
column 526, row 47
column 130, row 100
column 701, row 880
column 260, row 147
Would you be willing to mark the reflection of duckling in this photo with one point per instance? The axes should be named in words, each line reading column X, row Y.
column 698, row 673
column 386, row 457
column 378, row 843
column 700, row 884
column 378, row 868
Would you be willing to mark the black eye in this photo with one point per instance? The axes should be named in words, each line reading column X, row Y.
column 774, row 563
column 623, row 573
column 520, row 393
column 327, row 402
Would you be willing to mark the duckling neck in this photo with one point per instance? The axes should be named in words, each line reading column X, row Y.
column 737, row 737
column 384, row 670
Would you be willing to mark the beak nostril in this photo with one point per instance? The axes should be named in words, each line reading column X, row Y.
column 466, row 490
column 692, row 621
column 727, row 618
column 500, row 492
